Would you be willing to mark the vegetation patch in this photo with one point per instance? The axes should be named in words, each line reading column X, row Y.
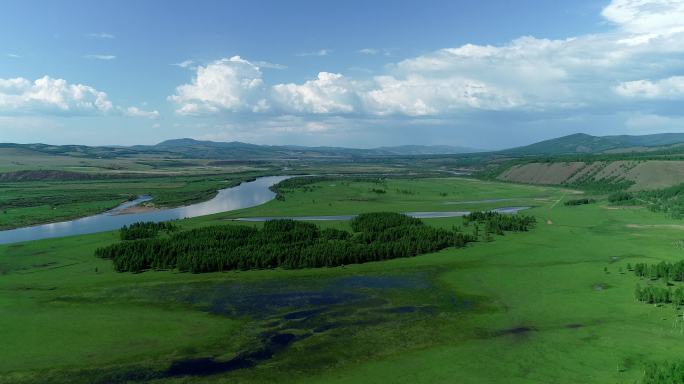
column 575, row 202
column 293, row 244
column 145, row 230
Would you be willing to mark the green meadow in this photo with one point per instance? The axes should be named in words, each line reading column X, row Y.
column 552, row 305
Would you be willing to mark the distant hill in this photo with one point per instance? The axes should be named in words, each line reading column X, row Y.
column 234, row 150
column 583, row 143
column 239, row 150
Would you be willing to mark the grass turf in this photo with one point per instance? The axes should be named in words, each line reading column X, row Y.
column 526, row 308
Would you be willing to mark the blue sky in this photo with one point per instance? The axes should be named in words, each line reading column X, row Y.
column 488, row 74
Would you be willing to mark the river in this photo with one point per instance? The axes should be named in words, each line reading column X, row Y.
column 245, row 195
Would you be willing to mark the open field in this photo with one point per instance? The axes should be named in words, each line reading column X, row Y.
column 527, row 307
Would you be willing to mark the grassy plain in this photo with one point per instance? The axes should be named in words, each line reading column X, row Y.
column 554, row 305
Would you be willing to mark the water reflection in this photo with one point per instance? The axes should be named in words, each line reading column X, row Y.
column 243, row 196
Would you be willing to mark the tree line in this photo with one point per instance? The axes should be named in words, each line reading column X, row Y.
column 659, row 295
column 145, row 230
column 293, row 244
column 662, row 270
column 497, row 223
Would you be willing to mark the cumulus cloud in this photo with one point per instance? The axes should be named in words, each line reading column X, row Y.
column 417, row 95
column 47, row 95
column 232, row 84
column 328, row 93
column 668, row 88
column 528, row 74
column 50, row 95
column 646, row 16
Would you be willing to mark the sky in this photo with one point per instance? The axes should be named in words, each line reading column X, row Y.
column 482, row 74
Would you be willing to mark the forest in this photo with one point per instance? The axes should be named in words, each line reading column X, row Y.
column 145, row 230
column 293, row 244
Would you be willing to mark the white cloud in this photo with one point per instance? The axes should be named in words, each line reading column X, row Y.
column 137, row 112
column 50, row 96
column 20, row 95
column 269, row 65
column 542, row 77
column 369, row 51
column 320, row 52
column 668, row 88
column 99, row 57
column 646, row 16
column 416, row 95
column 232, row 84
column 101, row 35
column 328, row 93
column 13, row 55
column 376, row 51
column 185, row 64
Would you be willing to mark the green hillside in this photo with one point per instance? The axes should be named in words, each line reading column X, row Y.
column 583, row 143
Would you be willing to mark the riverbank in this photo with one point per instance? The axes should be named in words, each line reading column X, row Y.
column 243, row 195
column 30, row 203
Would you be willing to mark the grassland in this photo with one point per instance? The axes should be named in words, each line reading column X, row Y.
column 546, row 306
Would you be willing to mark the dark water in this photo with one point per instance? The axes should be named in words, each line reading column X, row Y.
column 245, row 195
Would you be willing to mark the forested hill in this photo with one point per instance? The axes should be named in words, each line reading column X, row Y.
column 583, row 143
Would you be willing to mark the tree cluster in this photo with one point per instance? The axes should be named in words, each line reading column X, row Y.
column 145, row 230
column 294, row 244
column 659, row 295
column 662, row 270
column 283, row 243
column 620, row 197
column 575, row 202
column 497, row 223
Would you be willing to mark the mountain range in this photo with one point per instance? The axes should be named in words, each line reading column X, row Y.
column 578, row 143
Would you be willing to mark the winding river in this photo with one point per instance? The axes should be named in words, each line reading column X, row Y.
column 245, row 195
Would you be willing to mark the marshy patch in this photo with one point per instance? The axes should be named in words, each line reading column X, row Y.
column 286, row 312
column 272, row 343
column 600, row 286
